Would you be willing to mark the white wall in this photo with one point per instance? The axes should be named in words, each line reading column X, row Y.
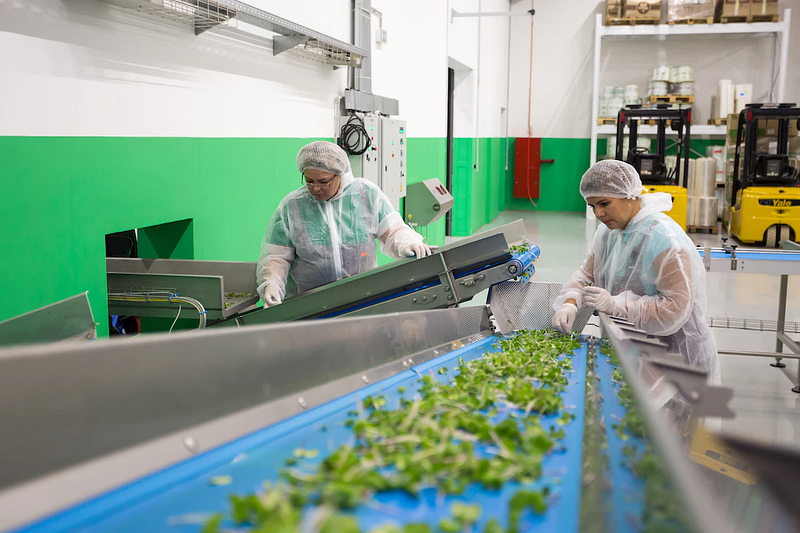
column 477, row 106
column 412, row 65
column 84, row 67
column 563, row 63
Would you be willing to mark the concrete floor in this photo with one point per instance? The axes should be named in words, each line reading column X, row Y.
column 764, row 404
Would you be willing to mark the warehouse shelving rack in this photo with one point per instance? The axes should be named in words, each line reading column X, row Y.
column 776, row 30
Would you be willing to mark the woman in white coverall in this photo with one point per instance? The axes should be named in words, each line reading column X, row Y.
column 642, row 267
column 326, row 230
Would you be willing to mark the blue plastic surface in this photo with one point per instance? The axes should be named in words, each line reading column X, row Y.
column 627, row 490
column 754, row 256
column 179, row 499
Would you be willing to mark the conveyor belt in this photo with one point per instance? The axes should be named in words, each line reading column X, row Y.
column 627, row 490
column 453, row 274
column 772, row 262
column 756, row 255
column 523, row 262
column 178, row 499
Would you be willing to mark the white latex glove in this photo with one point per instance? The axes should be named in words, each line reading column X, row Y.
column 418, row 249
column 565, row 318
column 602, row 300
column 272, row 296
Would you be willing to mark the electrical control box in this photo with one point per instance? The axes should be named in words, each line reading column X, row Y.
column 427, row 202
column 393, row 159
column 368, row 164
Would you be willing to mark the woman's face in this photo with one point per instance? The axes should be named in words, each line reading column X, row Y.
column 615, row 213
column 322, row 185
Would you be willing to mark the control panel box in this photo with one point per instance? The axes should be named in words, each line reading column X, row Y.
column 393, row 159
column 427, row 202
column 366, row 165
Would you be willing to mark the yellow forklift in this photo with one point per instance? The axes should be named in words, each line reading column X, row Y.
column 651, row 166
column 765, row 190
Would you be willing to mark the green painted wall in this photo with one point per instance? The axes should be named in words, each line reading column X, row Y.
column 478, row 193
column 62, row 195
column 481, row 194
column 427, row 158
column 559, row 181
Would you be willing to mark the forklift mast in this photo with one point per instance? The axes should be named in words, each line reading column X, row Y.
column 651, row 166
column 763, row 168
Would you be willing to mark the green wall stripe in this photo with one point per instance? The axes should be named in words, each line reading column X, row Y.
column 559, row 181
column 479, row 194
column 427, row 158
column 62, row 195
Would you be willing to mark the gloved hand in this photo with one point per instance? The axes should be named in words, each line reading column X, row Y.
column 565, row 317
column 416, row 248
column 272, row 296
column 602, row 300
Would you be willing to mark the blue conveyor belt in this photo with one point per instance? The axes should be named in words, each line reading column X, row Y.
column 627, row 490
column 179, row 498
column 755, row 256
column 524, row 262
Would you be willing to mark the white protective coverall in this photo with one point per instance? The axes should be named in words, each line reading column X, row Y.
column 656, row 279
column 309, row 243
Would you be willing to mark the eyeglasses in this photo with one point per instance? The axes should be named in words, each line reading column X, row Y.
column 321, row 183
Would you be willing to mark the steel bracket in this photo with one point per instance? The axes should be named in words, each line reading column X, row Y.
column 692, row 383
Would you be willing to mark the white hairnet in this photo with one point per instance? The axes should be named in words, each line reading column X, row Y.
column 324, row 156
column 611, row 179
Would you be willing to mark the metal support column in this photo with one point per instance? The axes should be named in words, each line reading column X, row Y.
column 785, row 40
column 794, row 348
column 781, row 320
column 598, row 43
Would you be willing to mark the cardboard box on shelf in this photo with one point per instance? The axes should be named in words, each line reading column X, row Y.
column 768, row 128
column 643, row 10
column 733, row 8
column 678, row 10
column 771, row 127
column 794, row 152
column 614, row 9
column 794, row 147
column 733, row 125
column 763, row 7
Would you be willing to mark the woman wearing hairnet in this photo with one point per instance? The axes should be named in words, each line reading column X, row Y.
column 326, row 230
column 642, row 267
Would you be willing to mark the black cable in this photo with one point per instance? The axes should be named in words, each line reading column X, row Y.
column 350, row 137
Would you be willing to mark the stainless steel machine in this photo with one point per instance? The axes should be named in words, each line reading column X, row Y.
column 154, row 433
column 223, row 294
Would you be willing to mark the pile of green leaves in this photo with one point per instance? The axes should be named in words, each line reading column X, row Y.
column 520, row 248
column 482, row 427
